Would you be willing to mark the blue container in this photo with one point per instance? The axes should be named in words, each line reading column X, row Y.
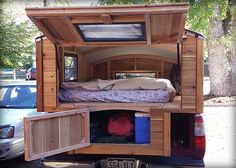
column 142, row 128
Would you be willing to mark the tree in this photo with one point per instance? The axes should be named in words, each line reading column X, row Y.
column 216, row 20
column 16, row 43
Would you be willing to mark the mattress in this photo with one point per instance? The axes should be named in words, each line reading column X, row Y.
column 138, row 90
column 126, row 96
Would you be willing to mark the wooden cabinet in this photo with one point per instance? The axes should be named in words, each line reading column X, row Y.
column 54, row 133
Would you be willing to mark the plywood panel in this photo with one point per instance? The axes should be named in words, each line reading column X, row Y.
column 188, row 99
column 49, row 77
column 167, row 69
column 188, row 89
column 50, row 100
column 189, row 76
column 148, row 64
column 99, row 71
column 122, row 64
column 165, row 28
column 189, row 63
column 189, row 49
column 50, row 89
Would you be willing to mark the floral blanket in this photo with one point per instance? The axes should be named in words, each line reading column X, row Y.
column 137, row 90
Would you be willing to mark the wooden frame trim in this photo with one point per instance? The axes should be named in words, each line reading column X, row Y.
column 46, row 31
column 114, row 10
column 75, row 55
column 181, row 27
column 73, row 30
column 167, row 141
column 148, row 28
column 109, row 40
column 40, row 86
column 199, row 80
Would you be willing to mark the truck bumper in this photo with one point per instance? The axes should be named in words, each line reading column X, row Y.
column 99, row 161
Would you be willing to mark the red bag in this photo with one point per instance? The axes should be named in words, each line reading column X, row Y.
column 121, row 124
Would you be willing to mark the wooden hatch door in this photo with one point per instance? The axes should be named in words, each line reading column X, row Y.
column 53, row 133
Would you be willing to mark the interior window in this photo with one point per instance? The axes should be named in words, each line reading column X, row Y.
column 125, row 75
column 112, row 32
column 70, row 67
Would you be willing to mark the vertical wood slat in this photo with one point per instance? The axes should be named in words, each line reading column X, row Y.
column 189, row 72
column 148, row 28
column 167, row 143
column 200, row 75
column 50, row 77
column 160, row 116
column 39, row 74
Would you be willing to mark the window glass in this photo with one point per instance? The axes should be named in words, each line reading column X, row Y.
column 21, row 96
column 112, row 32
column 71, row 68
column 125, row 75
column 2, row 92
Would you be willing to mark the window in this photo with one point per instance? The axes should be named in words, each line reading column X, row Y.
column 125, row 75
column 21, row 96
column 71, row 67
column 112, row 32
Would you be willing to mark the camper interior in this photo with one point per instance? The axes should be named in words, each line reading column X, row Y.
column 109, row 68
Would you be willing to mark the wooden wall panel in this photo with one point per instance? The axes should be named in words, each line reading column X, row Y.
column 200, row 75
column 49, row 76
column 122, row 64
column 132, row 63
column 100, row 71
column 165, row 27
column 189, row 72
column 39, row 72
column 148, row 64
column 167, row 69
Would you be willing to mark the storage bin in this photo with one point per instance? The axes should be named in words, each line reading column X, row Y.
column 142, row 128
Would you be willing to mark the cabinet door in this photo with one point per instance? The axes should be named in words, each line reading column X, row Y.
column 53, row 133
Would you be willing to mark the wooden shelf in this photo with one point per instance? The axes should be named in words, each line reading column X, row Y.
column 145, row 107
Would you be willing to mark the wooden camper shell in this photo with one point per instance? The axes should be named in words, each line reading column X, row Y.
column 164, row 30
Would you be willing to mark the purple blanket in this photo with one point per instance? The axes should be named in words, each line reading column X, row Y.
column 126, row 96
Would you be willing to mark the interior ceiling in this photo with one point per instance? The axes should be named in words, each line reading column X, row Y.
column 97, row 53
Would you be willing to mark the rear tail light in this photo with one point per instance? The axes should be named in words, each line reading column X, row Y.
column 199, row 137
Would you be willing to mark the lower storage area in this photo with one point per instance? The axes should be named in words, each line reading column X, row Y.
column 129, row 132
column 182, row 126
column 120, row 127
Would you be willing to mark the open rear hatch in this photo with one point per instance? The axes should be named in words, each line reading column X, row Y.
column 92, row 27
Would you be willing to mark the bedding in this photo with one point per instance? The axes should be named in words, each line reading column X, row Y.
column 140, row 90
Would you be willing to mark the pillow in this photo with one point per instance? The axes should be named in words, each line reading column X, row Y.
column 152, row 83
column 141, row 83
column 128, row 84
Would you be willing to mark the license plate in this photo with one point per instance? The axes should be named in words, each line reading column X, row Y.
column 121, row 163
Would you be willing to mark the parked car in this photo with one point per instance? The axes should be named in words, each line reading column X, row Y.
column 17, row 99
column 30, row 74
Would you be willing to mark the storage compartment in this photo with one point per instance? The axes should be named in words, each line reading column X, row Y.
column 181, row 133
column 120, row 126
